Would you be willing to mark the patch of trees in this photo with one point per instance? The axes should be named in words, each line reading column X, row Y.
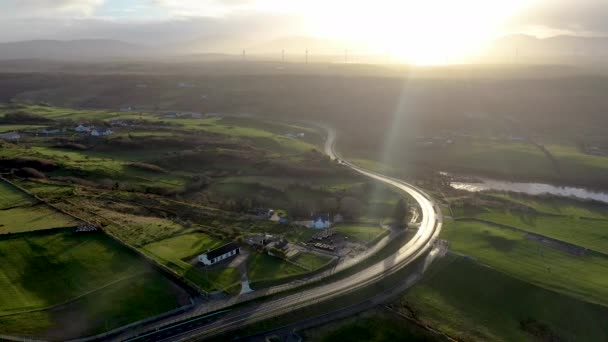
column 401, row 213
column 29, row 172
column 21, row 162
column 72, row 146
column 21, row 117
column 146, row 167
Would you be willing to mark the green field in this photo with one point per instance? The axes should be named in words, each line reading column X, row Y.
column 24, row 219
column 175, row 251
column 18, row 128
column 262, row 266
column 580, row 223
column 183, row 246
column 508, row 251
column 50, row 269
column 368, row 327
column 110, row 307
column 362, row 233
column 557, row 205
column 476, row 303
column 312, row 261
column 12, row 197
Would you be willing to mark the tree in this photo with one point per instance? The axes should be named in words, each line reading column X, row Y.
column 400, row 213
column 350, row 207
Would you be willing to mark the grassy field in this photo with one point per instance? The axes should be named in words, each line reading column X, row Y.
column 12, row 197
column 476, row 303
column 48, row 267
column 373, row 327
column 312, row 261
column 581, row 223
column 19, row 128
column 361, row 233
column 138, row 230
column 175, row 251
column 182, row 246
column 261, row 266
column 24, row 219
column 584, row 277
column 557, row 205
column 575, row 164
column 110, row 307
column 64, row 113
column 66, row 276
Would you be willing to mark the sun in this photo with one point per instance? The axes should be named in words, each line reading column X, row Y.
column 419, row 32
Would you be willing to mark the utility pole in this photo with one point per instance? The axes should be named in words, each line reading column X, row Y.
column 244, row 54
column 306, row 57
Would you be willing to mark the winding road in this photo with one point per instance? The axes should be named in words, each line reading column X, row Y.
column 229, row 320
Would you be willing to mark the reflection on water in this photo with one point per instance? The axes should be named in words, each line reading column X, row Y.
column 531, row 189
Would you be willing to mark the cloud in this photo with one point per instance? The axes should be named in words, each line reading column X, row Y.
column 48, row 8
column 566, row 16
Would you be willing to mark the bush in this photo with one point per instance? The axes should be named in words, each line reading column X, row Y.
column 72, row 146
column 22, row 117
column 20, row 162
column 29, row 172
column 147, row 167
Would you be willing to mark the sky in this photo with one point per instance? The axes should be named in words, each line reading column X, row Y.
column 402, row 27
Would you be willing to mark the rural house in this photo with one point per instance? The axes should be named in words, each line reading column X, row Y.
column 320, row 221
column 101, row 131
column 219, row 254
column 82, row 128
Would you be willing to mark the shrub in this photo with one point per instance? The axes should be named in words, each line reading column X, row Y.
column 21, row 117
column 29, row 172
column 147, row 167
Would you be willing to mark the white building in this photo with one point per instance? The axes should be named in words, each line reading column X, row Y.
column 320, row 222
column 222, row 253
column 101, row 131
column 82, row 128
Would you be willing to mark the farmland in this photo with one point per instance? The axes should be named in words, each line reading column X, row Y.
column 171, row 188
column 176, row 252
column 364, row 233
column 53, row 270
column 473, row 302
column 579, row 223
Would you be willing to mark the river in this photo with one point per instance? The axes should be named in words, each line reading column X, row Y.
column 531, row 189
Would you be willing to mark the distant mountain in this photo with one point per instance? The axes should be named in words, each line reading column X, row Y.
column 299, row 44
column 89, row 49
column 557, row 46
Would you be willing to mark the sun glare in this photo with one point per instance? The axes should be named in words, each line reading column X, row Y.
column 420, row 32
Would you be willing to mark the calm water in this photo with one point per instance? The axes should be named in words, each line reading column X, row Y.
column 531, row 189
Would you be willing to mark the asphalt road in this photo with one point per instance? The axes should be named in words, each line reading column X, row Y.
column 208, row 326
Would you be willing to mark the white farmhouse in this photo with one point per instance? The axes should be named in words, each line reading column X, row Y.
column 101, row 131
column 82, row 128
column 222, row 253
column 320, row 221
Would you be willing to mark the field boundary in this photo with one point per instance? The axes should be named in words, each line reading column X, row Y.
column 520, row 230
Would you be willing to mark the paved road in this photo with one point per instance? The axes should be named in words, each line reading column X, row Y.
column 430, row 226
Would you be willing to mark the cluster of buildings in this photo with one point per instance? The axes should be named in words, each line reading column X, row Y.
column 93, row 131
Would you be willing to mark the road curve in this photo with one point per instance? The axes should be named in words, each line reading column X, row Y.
column 421, row 243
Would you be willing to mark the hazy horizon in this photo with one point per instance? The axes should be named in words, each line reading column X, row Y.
column 420, row 33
